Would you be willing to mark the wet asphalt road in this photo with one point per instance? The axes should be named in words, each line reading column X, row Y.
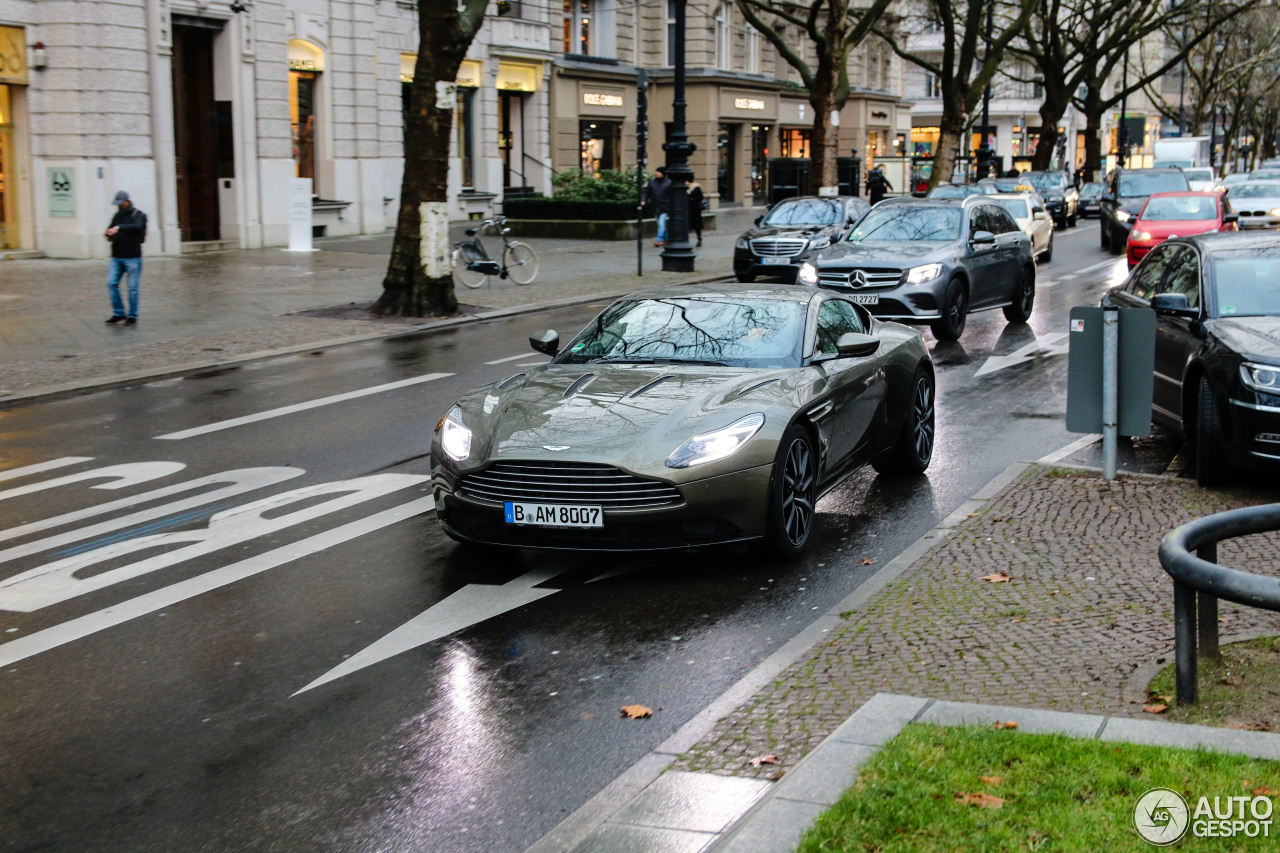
column 160, row 699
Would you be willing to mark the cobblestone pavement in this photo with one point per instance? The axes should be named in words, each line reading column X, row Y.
column 1085, row 606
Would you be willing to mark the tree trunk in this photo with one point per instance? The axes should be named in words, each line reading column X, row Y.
column 1051, row 112
column 1092, row 135
column 823, row 141
column 419, row 281
column 951, row 132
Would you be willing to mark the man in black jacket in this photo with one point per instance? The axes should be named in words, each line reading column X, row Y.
column 127, row 233
column 877, row 183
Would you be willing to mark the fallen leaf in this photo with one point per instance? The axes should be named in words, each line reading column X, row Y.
column 635, row 712
column 587, row 715
column 1053, row 592
column 763, row 759
column 973, row 515
column 1054, row 619
column 776, row 775
column 997, row 577
column 1264, row 791
column 991, row 780
column 1251, row 727
column 986, row 801
column 1008, row 724
column 998, row 518
column 1231, row 680
column 1155, row 709
column 867, row 561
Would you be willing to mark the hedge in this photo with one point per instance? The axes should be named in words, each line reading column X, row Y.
column 541, row 207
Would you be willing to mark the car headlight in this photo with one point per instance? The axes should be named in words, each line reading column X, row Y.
column 1123, row 216
column 1275, row 211
column 808, row 274
column 921, row 274
column 1140, row 236
column 742, row 243
column 819, row 242
column 455, row 438
column 717, row 444
column 1261, row 377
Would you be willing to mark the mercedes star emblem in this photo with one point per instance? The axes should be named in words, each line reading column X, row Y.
column 858, row 279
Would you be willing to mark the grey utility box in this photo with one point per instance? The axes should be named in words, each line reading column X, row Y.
column 1137, row 357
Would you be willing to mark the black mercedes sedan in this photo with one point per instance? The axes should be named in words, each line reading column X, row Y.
column 1217, row 368
column 931, row 261
column 791, row 231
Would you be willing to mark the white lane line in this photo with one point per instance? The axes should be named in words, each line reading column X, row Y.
column 1099, row 266
column 76, row 629
column 508, row 358
column 25, row 471
column 302, row 407
column 1070, row 276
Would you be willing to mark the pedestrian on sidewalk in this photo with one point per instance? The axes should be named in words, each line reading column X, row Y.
column 877, row 183
column 697, row 203
column 658, row 193
column 127, row 233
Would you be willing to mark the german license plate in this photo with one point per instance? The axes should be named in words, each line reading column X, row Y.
column 554, row 515
column 769, row 262
column 865, row 299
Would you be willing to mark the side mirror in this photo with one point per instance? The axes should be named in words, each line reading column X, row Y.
column 759, row 219
column 1231, row 219
column 982, row 238
column 547, row 342
column 1039, row 214
column 1174, row 305
column 852, row 344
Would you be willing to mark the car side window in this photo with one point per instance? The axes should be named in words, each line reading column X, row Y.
column 980, row 218
column 1002, row 220
column 1146, row 278
column 1182, row 275
column 835, row 319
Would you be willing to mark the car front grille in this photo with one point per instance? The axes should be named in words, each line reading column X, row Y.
column 872, row 279
column 772, row 247
column 567, row 482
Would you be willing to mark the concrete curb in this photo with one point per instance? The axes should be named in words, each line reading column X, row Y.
column 594, row 816
column 152, row 374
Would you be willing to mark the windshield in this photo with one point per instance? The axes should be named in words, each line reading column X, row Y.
column 1248, row 282
column 1138, row 184
column 1017, row 207
column 1254, row 191
column 907, row 223
column 1198, row 174
column 1091, row 189
column 703, row 330
column 1045, row 181
column 806, row 211
column 1178, row 208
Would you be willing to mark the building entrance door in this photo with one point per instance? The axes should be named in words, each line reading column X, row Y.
column 195, row 137
column 511, row 139
column 9, row 231
column 760, row 163
column 726, row 180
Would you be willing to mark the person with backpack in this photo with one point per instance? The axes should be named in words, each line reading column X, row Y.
column 697, row 203
column 877, row 183
column 126, row 234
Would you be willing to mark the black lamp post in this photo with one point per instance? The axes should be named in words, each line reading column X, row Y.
column 678, row 254
column 1122, row 137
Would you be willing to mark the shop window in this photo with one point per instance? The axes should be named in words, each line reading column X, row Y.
column 600, row 145
column 306, row 63
column 795, row 142
column 577, row 27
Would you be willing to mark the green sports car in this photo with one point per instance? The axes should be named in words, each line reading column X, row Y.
column 686, row 416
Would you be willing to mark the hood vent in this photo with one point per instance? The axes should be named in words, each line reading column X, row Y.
column 645, row 389
column 745, row 391
column 508, row 382
column 579, row 383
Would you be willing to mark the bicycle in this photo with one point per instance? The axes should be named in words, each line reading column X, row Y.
column 472, row 265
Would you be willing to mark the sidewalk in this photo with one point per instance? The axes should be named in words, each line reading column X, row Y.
column 1081, row 626
column 215, row 307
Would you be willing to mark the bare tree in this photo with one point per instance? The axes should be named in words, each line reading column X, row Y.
column 964, row 63
column 833, row 28
column 419, row 282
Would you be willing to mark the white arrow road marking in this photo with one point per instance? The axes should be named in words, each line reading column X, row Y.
column 15, row 473
column 125, row 475
column 508, row 358
column 76, row 629
column 471, row 605
column 1043, row 346
column 302, row 407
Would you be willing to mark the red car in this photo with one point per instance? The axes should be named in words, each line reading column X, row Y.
column 1177, row 214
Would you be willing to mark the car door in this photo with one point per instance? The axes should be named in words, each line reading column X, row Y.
column 1143, row 283
column 984, row 261
column 1176, row 340
column 1041, row 227
column 1014, row 250
column 856, row 386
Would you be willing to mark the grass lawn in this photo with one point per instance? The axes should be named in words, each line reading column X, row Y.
column 1240, row 691
column 1058, row 793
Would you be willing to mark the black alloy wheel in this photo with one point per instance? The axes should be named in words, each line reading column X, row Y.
column 1024, row 300
column 793, row 493
column 955, row 312
column 914, row 450
column 1117, row 242
column 1211, row 464
column 1104, row 231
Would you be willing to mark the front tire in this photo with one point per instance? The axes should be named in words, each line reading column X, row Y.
column 521, row 262
column 955, row 312
column 1047, row 256
column 470, row 278
column 1211, row 464
column 745, row 277
column 1117, row 243
column 793, row 493
column 1104, row 236
column 911, row 455
column 1024, row 300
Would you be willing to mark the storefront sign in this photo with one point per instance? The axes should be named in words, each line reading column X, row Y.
column 748, row 104
column 62, row 192
column 305, row 56
column 469, row 72
column 878, row 114
column 302, row 65
column 518, row 78
column 13, row 55
column 597, row 99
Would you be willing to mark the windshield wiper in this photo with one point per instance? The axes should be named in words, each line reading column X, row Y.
column 648, row 359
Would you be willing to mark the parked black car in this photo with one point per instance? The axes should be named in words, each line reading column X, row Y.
column 1091, row 198
column 1217, row 369
column 1061, row 198
column 931, row 261
column 791, row 231
column 1126, row 191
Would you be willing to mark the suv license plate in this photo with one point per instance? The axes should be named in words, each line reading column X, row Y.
column 769, row 262
column 865, row 299
column 554, row 515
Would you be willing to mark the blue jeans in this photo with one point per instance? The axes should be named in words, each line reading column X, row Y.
column 120, row 267
column 662, row 227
